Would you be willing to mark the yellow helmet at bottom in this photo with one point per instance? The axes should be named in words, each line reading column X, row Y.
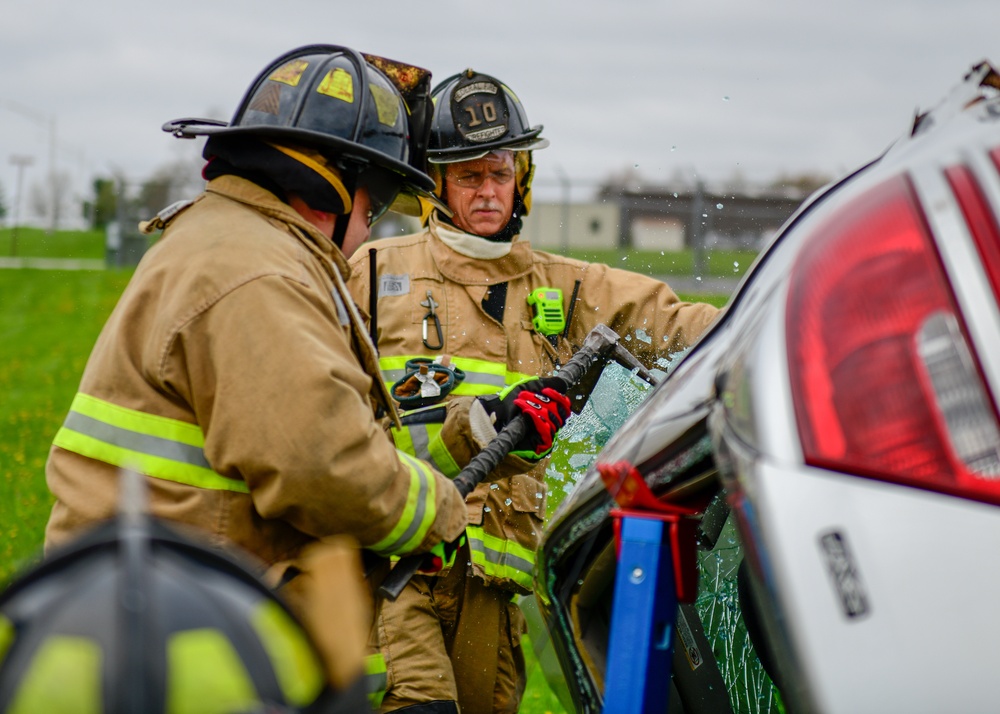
column 136, row 617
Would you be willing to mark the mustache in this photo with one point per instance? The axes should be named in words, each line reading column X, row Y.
column 487, row 205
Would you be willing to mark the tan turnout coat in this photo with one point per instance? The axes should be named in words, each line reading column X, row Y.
column 506, row 512
column 235, row 370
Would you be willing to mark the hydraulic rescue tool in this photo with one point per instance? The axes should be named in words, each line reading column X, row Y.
column 580, row 374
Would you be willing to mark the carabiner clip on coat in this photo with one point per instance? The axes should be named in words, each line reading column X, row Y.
column 431, row 306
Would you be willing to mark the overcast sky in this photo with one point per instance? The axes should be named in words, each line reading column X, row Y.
column 706, row 87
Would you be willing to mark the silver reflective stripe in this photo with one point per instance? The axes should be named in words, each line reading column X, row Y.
column 501, row 559
column 375, row 683
column 391, row 376
column 421, row 445
column 134, row 441
column 493, row 380
column 421, row 507
column 375, row 679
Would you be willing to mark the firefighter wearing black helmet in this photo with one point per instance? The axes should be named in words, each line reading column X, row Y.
column 235, row 373
column 468, row 292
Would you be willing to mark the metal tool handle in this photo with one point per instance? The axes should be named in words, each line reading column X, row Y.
column 597, row 349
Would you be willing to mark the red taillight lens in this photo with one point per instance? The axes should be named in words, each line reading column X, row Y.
column 980, row 218
column 882, row 378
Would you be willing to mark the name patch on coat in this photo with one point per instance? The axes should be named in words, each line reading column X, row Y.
column 392, row 285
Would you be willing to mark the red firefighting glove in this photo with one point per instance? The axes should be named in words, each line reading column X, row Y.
column 441, row 556
column 502, row 404
column 548, row 411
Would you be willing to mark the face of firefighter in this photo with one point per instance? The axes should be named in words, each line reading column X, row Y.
column 358, row 229
column 481, row 192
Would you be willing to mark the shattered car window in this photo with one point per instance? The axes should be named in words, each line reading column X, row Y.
column 578, row 444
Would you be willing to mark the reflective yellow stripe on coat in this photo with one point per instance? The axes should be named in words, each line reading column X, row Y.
column 501, row 558
column 375, row 679
column 153, row 445
column 418, row 514
column 424, row 441
column 481, row 376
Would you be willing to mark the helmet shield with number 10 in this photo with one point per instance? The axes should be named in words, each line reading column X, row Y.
column 475, row 114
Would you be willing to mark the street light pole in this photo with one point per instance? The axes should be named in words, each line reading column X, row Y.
column 53, row 181
column 49, row 121
column 20, row 161
column 564, row 184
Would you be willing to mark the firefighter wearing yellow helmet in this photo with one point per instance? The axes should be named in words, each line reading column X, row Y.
column 235, row 373
column 138, row 616
column 468, row 293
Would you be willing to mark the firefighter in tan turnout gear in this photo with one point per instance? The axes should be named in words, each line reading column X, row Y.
column 468, row 304
column 236, row 373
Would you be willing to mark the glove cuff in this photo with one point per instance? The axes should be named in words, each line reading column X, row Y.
column 481, row 425
column 530, row 456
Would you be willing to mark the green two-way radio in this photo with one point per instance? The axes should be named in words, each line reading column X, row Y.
column 547, row 304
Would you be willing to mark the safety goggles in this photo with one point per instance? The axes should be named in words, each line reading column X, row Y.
column 376, row 212
column 382, row 187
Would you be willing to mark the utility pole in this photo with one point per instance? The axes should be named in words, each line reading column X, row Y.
column 20, row 161
column 53, row 181
column 49, row 121
column 564, row 232
column 698, row 220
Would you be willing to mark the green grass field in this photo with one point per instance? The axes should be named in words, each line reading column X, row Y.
column 38, row 243
column 48, row 323
column 718, row 263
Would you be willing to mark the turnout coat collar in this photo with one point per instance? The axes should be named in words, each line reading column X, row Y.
column 473, row 271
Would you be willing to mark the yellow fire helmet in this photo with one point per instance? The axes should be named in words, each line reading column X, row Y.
column 135, row 617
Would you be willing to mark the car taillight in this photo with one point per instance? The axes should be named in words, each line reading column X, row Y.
column 978, row 215
column 883, row 380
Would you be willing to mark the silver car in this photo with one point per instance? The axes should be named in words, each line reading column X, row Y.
column 842, row 412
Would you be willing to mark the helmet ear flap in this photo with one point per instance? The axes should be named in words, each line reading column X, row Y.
column 524, row 172
column 427, row 207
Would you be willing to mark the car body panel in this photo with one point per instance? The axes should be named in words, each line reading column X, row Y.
column 873, row 595
column 920, row 644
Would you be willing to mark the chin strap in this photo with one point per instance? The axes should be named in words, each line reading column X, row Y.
column 340, row 229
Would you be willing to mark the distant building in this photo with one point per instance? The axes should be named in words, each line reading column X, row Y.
column 557, row 226
column 662, row 218
column 673, row 219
